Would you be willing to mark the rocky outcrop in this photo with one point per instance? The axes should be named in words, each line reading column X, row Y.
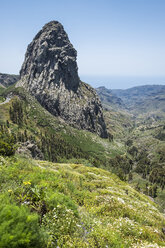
column 7, row 80
column 30, row 150
column 50, row 73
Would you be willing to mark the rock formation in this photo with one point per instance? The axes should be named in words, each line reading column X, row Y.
column 30, row 150
column 50, row 73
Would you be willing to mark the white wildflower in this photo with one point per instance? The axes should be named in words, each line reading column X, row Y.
column 121, row 200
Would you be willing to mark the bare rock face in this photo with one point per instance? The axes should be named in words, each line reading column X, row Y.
column 30, row 150
column 50, row 73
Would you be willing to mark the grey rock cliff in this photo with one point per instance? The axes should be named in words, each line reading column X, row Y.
column 50, row 73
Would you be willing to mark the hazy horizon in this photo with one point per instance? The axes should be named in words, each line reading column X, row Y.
column 121, row 82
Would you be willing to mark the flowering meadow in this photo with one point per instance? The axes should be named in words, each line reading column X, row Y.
column 44, row 204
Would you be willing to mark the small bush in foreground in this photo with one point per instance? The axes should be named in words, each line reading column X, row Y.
column 19, row 228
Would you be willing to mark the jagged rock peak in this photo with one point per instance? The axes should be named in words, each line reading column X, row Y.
column 51, row 56
column 50, row 73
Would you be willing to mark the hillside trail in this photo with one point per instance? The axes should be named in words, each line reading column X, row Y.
column 48, row 167
column 8, row 98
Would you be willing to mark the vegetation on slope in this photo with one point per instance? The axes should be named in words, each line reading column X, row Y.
column 141, row 129
column 26, row 120
column 149, row 158
column 43, row 204
column 23, row 120
column 101, row 210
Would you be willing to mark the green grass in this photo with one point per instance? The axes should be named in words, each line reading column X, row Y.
column 85, row 206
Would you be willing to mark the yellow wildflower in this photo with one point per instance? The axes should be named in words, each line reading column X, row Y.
column 27, row 183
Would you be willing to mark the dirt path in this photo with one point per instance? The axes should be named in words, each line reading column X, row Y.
column 44, row 168
column 7, row 100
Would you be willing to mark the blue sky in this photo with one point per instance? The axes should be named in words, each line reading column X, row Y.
column 120, row 43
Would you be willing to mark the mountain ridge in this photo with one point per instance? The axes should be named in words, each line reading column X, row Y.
column 139, row 99
column 7, row 80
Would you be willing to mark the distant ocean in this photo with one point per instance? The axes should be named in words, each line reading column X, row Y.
column 121, row 82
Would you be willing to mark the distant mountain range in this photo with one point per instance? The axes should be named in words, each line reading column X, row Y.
column 141, row 99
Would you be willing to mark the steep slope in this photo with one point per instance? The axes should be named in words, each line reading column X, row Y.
column 118, row 122
column 77, row 206
column 31, row 125
column 109, row 99
column 7, row 80
column 50, row 73
column 117, row 118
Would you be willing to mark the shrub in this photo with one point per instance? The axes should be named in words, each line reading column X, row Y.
column 7, row 147
column 57, row 198
column 19, row 228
